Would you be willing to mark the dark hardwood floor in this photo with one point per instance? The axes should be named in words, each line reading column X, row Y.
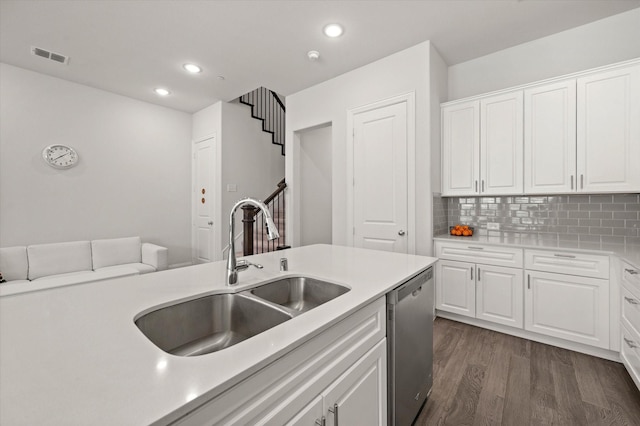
column 486, row 378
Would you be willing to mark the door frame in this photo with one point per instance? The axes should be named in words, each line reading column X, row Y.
column 217, row 197
column 409, row 99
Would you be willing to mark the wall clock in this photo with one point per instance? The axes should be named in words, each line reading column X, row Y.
column 60, row 156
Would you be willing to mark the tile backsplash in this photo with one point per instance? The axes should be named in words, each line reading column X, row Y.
column 609, row 219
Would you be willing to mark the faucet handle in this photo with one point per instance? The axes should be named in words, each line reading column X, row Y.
column 284, row 264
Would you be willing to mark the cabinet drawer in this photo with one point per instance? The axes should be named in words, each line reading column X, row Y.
column 630, row 354
column 630, row 310
column 631, row 278
column 584, row 265
column 478, row 253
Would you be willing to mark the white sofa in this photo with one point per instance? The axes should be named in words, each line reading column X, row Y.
column 41, row 266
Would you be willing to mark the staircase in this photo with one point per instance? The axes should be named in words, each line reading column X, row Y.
column 255, row 234
column 266, row 106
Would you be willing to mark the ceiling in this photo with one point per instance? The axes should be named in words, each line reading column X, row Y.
column 130, row 47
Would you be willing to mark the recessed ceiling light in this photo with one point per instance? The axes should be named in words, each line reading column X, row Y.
column 192, row 68
column 333, row 30
column 162, row 92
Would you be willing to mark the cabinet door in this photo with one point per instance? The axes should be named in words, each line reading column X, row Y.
column 568, row 307
column 550, row 138
column 608, row 131
column 359, row 396
column 499, row 295
column 455, row 287
column 501, row 144
column 461, row 148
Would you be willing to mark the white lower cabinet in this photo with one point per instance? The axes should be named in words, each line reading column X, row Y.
column 561, row 294
column 569, row 307
column 491, row 293
column 356, row 397
column 345, row 367
column 630, row 321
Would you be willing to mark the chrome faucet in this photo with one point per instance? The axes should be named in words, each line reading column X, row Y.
column 272, row 232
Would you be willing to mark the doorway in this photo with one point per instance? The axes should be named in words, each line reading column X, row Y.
column 205, row 196
column 315, row 163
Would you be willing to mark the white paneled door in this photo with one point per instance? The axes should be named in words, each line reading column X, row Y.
column 380, row 141
column 203, row 199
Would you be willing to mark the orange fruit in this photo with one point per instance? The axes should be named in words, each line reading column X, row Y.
column 458, row 233
column 453, row 231
column 466, row 233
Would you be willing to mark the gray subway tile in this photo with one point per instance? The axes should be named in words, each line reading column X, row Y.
column 625, row 198
column 612, row 240
column 578, row 198
column 578, row 229
column 625, row 215
column 590, row 222
column 590, row 207
column 632, row 207
column 600, row 199
column 614, row 223
column 613, row 207
column 568, row 237
column 601, row 215
column 632, row 224
column 596, row 230
column 578, row 215
column 626, row 232
column 589, row 238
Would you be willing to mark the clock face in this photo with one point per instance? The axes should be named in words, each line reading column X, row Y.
column 60, row 156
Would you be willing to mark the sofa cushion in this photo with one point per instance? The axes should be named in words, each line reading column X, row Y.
column 13, row 263
column 58, row 258
column 142, row 268
column 116, row 251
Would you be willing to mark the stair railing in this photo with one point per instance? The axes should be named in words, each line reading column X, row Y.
column 266, row 106
column 254, row 227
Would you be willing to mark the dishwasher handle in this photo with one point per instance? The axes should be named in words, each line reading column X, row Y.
column 409, row 288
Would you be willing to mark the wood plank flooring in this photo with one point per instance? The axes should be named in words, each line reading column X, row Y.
column 482, row 377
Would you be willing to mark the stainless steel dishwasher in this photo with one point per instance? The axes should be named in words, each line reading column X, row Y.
column 410, row 347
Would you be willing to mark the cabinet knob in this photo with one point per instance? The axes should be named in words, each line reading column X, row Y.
column 210, row 223
column 631, row 271
column 630, row 343
column 631, row 301
column 401, row 232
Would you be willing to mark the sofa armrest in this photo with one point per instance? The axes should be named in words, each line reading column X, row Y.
column 155, row 256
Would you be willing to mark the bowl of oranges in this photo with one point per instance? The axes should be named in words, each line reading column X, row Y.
column 461, row 230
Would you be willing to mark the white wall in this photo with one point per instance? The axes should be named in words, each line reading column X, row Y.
column 315, row 186
column 603, row 42
column 133, row 177
column 328, row 102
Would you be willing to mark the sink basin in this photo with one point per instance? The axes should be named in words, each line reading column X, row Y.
column 299, row 293
column 209, row 324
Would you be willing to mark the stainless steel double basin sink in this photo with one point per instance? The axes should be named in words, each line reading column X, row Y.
column 215, row 322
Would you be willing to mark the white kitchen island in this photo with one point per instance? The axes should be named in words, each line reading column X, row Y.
column 73, row 355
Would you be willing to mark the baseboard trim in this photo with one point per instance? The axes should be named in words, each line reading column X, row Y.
column 180, row 265
column 547, row 340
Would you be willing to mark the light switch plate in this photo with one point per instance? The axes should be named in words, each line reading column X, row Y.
column 232, row 187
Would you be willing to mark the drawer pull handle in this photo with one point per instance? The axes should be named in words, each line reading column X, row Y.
column 475, row 248
column 566, row 256
column 334, row 411
column 472, row 273
column 631, row 271
column 631, row 301
column 571, row 181
column 476, row 186
column 630, row 343
column 528, row 281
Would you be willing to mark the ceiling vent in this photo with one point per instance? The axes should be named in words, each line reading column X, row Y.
column 56, row 57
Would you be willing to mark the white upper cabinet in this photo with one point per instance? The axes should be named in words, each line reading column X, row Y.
column 501, row 151
column 550, row 138
column 461, row 148
column 579, row 134
column 482, row 146
column 608, row 131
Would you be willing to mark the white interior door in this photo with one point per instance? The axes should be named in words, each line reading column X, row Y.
column 204, row 201
column 380, row 137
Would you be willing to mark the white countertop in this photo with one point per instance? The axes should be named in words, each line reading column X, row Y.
column 628, row 253
column 73, row 355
